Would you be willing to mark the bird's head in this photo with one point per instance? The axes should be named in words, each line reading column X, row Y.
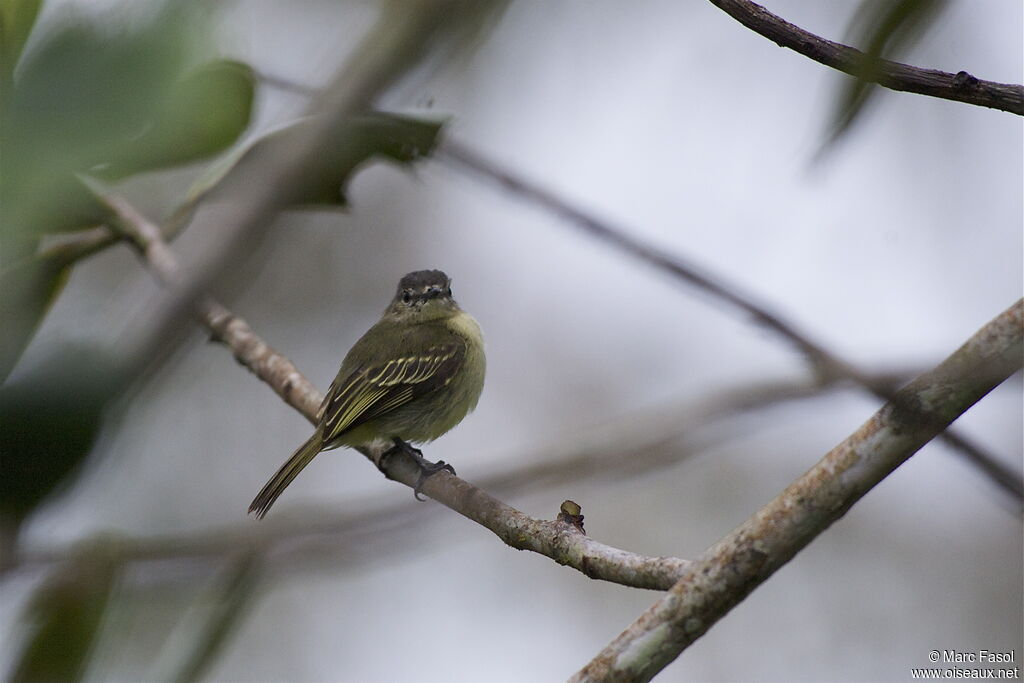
column 423, row 295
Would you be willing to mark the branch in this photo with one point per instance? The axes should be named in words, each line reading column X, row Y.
column 959, row 87
column 245, row 345
column 826, row 364
column 557, row 540
column 732, row 568
column 628, row 447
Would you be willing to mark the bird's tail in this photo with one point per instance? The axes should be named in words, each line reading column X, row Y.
column 284, row 476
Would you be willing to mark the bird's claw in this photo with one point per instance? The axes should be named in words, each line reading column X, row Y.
column 427, row 468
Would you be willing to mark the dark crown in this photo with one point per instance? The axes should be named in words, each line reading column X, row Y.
column 422, row 280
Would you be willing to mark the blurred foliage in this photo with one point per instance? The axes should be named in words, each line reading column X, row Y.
column 400, row 139
column 99, row 99
column 49, row 420
column 63, row 618
column 467, row 25
column 230, row 602
column 16, row 20
column 28, row 289
column 206, row 112
column 80, row 97
column 119, row 104
column 881, row 29
column 89, row 98
column 92, row 96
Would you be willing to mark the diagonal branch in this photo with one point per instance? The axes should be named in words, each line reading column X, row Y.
column 959, row 87
column 728, row 571
column 557, row 540
column 245, row 345
column 826, row 364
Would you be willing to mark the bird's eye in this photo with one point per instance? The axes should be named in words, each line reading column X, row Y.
column 407, row 296
column 448, row 292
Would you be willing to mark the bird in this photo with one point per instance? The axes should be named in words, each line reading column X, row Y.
column 410, row 378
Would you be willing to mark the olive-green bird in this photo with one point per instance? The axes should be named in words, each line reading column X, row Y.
column 412, row 377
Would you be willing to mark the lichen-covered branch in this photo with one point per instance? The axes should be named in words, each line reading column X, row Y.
column 732, row 568
column 558, row 540
column 959, row 87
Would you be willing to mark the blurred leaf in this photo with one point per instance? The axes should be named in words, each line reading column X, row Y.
column 885, row 29
column 64, row 616
column 206, row 112
column 74, row 207
column 399, row 138
column 29, row 288
column 16, row 20
column 84, row 96
column 234, row 595
column 469, row 25
column 49, row 420
column 84, row 89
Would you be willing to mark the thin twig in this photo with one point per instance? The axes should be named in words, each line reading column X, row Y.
column 959, row 87
column 728, row 571
column 825, row 363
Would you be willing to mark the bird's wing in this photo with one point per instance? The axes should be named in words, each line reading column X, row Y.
column 373, row 390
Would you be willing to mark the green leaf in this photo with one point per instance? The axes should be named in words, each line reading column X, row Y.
column 29, row 288
column 206, row 112
column 63, row 619
column 83, row 97
column 401, row 139
column 84, row 91
column 885, row 28
column 16, row 20
column 49, row 421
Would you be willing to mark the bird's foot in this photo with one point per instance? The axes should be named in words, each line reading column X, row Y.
column 427, row 468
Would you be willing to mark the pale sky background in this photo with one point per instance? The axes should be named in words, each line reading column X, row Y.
column 695, row 134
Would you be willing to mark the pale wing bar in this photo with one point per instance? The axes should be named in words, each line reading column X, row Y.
column 373, row 391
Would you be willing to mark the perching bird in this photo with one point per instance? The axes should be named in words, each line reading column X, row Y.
column 412, row 377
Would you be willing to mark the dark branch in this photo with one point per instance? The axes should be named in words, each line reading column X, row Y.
column 958, row 87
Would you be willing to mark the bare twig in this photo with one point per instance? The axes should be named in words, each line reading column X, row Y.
column 825, row 363
column 78, row 245
column 959, row 87
column 728, row 571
